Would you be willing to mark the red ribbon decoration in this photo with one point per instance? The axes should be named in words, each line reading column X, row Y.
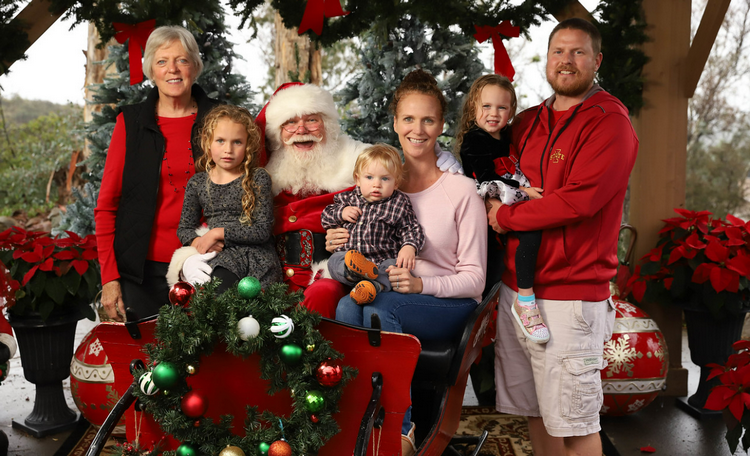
column 502, row 60
column 316, row 11
column 138, row 35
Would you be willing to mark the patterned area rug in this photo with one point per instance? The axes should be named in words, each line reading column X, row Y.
column 79, row 441
column 509, row 434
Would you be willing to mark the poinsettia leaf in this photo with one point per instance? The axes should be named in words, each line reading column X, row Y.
column 29, row 275
column 720, row 279
column 47, row 265
column 737, row 406
column 36, row 284
column 66, row 255
column 650, row 268
column 734, row 220
column 733, row 438
column 716, row 400
column 91, row 276
column 90, row 254
column 681, row 276
column 740, row 264
column 55, row 290
column 695, row 242
column 741, row 345
column 71, row 282
column 80, row 266
column 703, row 272
column 717, row 252
column 639, row 289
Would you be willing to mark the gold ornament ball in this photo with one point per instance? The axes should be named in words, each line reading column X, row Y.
column 231, row 450
column 191, row 370
column 310, row 348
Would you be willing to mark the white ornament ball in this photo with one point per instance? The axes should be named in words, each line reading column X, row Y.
column 248, row 327
column 147, row 385
column 282, row 327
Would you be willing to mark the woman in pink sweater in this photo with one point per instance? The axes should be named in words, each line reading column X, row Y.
column 433, row 300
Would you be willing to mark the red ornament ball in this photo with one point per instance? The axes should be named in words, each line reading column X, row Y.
column 329, row 373
column 180, row 293
column 314, row 418
column 280, row 448
column 194, row 405
column 638, row 362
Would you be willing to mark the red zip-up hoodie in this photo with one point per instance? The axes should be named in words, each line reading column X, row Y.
column 583, row 162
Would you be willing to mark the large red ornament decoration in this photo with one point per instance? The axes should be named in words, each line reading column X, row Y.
column 180, row 293
column 329, row 373
column 92, row 381
column 194, row 405
column 638, row 362
column 280, row 448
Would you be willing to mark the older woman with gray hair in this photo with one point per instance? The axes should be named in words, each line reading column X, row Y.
column 151, row 157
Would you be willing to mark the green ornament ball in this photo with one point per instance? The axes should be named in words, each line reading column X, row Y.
column 263, row 448
column 187, row 449
column 249, row 287
column 165, row 375
column 291, row 354
column 314, row 401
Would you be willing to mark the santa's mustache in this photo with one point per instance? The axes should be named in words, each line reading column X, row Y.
column 302, row 138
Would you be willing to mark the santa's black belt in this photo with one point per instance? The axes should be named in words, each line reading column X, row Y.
column 301, row 248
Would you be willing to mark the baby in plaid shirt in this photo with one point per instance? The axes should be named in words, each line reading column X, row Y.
column 383, row 229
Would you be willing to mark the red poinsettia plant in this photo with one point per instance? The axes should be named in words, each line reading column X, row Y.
column 700, row 262
column 40, row 273
column 732, row 394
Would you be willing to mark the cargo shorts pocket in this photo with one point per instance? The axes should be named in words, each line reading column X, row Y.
column 581, row 394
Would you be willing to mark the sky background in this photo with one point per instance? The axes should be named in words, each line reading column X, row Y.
column 55, row 67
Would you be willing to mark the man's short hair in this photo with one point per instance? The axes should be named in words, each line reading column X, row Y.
column 576, row 23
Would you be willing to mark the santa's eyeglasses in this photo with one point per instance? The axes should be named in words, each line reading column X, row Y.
column 309, row 123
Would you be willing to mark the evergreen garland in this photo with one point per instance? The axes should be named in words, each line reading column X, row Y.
column 183, row 335
column 622, row 27
column 452, row 58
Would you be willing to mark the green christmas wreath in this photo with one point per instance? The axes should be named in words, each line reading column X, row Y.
column 293, row 362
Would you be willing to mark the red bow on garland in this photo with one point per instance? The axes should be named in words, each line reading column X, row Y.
column 316, row 11
column 502, row 60
column 138, row 35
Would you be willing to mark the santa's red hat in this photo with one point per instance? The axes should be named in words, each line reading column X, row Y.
column 294, row 99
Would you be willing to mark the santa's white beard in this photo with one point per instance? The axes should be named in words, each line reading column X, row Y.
column 302, row 172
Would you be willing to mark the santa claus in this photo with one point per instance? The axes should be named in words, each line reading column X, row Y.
column 309, row 160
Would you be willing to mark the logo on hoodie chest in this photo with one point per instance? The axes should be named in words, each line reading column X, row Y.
column 557, row 156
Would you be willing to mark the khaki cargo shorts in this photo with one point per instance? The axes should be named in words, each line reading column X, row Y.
column 559, row 381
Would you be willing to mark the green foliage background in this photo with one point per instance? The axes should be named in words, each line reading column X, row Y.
column 37, row 139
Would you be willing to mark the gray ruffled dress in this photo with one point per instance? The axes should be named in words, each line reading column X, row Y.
column 249, row 249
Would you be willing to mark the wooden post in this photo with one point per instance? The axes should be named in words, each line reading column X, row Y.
column 36, row 19
column 296, row 54
column 657, row 184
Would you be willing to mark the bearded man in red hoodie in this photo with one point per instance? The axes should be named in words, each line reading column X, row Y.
column 579, row 146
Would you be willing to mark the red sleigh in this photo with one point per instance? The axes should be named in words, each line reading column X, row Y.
column 389, row 365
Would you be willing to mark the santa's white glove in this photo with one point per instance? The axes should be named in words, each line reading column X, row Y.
column 196, row 269
column 446, row 161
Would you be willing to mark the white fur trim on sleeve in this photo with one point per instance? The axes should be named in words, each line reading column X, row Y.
column 320, row 266
column 7, row 339
column 175, row 264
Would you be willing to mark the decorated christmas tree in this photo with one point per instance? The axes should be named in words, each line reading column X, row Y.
column 386, row 59
column 206, row 22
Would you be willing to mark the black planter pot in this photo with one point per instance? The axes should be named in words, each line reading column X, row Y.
column 46, row 351
column 710, row 341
